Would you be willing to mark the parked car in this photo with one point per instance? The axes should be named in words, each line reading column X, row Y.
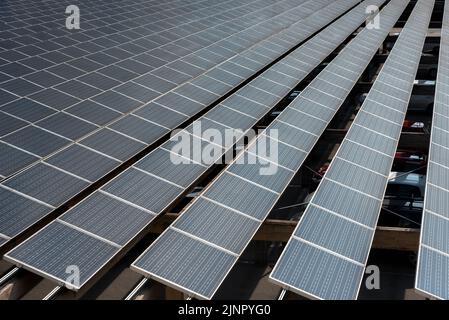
column 293, row 95
column 408, row 160
column 421, row 103
column 403, row 201
column 195, row 192
column 413, row 126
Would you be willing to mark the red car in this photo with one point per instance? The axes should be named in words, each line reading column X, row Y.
column 407, row 160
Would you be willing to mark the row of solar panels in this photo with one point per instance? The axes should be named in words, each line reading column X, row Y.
column 432, row 275
column 328, row 251
column 85, row 78
column 142, row 194
column 195, row 229
column 91, row 91
column 219, row 225
column 71, row 170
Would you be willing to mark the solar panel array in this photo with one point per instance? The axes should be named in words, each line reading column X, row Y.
column 73, row 98
column 199, row 249
column 432, row 276
column 114, row 215
column 69, row 171
column 327, row 253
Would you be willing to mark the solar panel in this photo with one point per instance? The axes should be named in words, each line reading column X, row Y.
column 243, row 191
column 119, row 141
column 328, row 262
column 153, row 184
column 190, row 255
column 433, row 257
column 16, row 216
column 61, row 237
column 28, row 138
column 11, row 159
column 83, row 162
column 35, row 183
column 116, row 221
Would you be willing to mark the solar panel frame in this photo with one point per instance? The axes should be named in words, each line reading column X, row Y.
column 57, row 241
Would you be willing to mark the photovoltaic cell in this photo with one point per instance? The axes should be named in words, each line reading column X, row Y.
column 161, row 115
column 113, row 144
column 30, row 138
column 264, row 173
column 171, row 167
column 142, row 189
column 214, row 223
column 139, row 129
column 27, row 109
column 9, row 124
column 236, row 193
column 36, row 183
column 67, row 126
column 13, row 159
column 116, row 101
column 54, row 99
column 18, row 212
column 230, row 118
column 319, row 222
column 83, row 162
column 113, row 220
column 371, row 159
column 276, row 152
column 93, row 112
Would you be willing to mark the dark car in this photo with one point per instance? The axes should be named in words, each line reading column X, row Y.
column 403, row 201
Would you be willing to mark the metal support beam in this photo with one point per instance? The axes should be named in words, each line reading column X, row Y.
column 52, row 293
column 136, row 289
column 414, row 140
column 418, row 89
column 425, row 59
column 402, row 239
